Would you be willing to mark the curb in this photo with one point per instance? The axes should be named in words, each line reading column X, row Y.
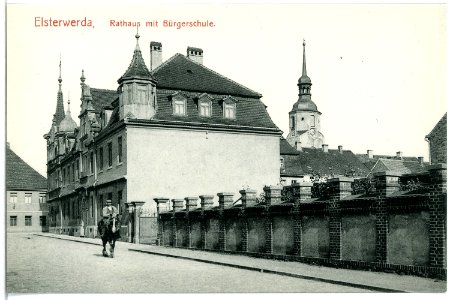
column 261, row 270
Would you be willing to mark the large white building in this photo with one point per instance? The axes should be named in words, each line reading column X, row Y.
column 178, row 130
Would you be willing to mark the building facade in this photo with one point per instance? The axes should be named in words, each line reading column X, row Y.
column 26, row 194
column 179, row 129
column 304, row 118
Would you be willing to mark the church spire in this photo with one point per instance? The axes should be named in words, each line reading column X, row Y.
column 304, row 74
column 59, row 114
column 304, row 82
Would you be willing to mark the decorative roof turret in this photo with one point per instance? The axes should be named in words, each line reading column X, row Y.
column 59, row 113
column 137, row 68
column 67, row 124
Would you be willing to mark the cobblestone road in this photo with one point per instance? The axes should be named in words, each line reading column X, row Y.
column 37, row 264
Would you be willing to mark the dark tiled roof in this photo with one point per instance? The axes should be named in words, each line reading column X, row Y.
column 286, row 148
column 137, row 68
column 20, row 176
column 102, row 97
column 249, row 111
column 439, row 127
column 315, row 161
column 398, row 166
column 181, row 73
column 370, row 162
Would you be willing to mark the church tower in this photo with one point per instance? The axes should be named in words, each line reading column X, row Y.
column 137, row 89
column 304, row 118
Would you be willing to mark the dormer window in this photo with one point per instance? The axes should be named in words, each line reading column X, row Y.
column 178, row 104
column 204, row 103
column 229, row 107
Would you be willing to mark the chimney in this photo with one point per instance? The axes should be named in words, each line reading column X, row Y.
column 298, row 146
column 420, row 159
column 325, row 148
column 399, row 154
column 195, row 54
column 340, row 149
column 155, row 55
column 370, row 153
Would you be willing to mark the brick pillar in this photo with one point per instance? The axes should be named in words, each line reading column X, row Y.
column 191, row 204
column 341, row 187
column 225, row 200
column 177, row 205
column 161, row 206
column 137, row 211
column 273, row 194
column 301, row 192
column 438, row 209
column 130, row 232
column 248, row 197
column 273, row 197
column 386, row 184
column 206, row 201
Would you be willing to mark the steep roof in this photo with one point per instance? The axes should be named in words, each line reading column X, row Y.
column 286, row 148
column 398, row 166
column 20, row 176
column 181, row 73
column 137, row 68
column 370, row 162
column 440, row 127
column 102, row 97
column 315, row 161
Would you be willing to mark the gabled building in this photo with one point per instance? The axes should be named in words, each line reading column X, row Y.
column 437, row 142
column 173, row 130
column 26, row 193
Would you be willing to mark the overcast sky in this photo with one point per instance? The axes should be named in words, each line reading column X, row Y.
column 378, row 71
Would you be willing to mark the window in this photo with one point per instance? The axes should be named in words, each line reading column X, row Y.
column 28, row 221
column 119, row 200
column 27, row 198
column 119, row 148
column 43, row 221
column 13, row 197
column 13, row 221
column 42, row 198
column 229, row 110
column 91, row 207
column 64, row 176
column 110, row 156
column 91, row 163
column 292, row 123
column 73, row 172
column 205, row 109
column 179, row 107
column 84, row 163
column 313, row 120
column 100, row 158
column 77, row 173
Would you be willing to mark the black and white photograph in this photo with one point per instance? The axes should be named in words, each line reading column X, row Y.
column 213, row 148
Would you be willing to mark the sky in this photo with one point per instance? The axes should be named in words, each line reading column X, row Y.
column 378, row 71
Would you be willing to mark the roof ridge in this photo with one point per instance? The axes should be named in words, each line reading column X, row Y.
column 258, row 95
column 165, row 63
column 108, row 90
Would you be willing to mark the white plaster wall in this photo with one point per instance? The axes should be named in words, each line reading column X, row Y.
column 178, row 163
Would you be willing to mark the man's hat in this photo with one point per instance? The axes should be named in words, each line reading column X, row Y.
column 108, row 201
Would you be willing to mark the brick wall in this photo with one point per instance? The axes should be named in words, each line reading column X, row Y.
column 389, row 230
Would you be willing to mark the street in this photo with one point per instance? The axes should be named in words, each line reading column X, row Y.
column 37, row 264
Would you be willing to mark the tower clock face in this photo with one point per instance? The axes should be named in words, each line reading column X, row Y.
column 312, row 131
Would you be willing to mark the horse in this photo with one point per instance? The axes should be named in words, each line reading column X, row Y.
column 109, row 230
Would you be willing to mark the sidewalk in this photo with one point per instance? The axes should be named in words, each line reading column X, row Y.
column 374, row 281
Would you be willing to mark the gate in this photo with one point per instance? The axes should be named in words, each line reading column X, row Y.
column 148, row 229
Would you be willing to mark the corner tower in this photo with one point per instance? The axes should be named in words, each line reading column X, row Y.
column 304, row 118
column 137, row 89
